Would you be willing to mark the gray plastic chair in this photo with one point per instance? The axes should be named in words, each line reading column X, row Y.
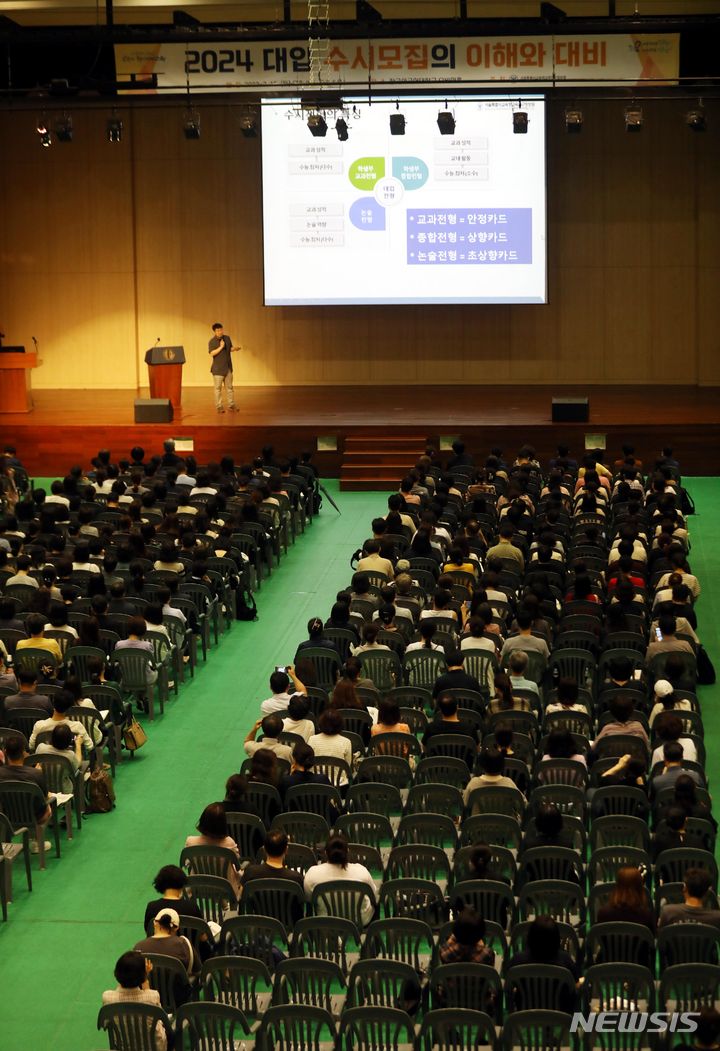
column 210, row 1027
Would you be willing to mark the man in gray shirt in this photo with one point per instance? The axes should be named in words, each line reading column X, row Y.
column 696, row 884
column 220, row 349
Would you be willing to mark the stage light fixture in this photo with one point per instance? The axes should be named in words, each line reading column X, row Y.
column 520, row 122
column 397, row 124
column 695, row 119
column 446, row 122
column 64, row 128
column 114, row 129
column 317, row 125
column 191, row 125
column 342, row 129
column 248, row 126
column 633, row 118
column 43, row 131
column 573, row 121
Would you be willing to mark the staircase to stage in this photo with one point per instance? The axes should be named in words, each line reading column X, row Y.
column 372, row 462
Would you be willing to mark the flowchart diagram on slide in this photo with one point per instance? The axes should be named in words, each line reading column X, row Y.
column 434, row 236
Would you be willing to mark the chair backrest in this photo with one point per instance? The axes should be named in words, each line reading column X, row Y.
column 210, row 1026
column 530, row 986
column 31, row 658
column 463, row 986
column 423, row 668
column 309, row 829
column 315, row 799
column 620, row 942
column 57, row 769
column 389, row 769
column 536, row 1031
column 371, row 1028
column 418, row 861
column 435, row 799
column 452, row 746
column 133, row 665
column 402, row 745
column 314, row 985
column 213, row 895
column 326, row 663
column 453, row 1028
column 132, row 1026
column 348, row 899
column 383, row 667
column 169, row 977
column 236, row 981
column 20, row 801
column 417, row 899
column 556, row 898
column 274, row 897
column 207, row 861
column 326, row 938
column 291, row 1027
column 436, row 829
column 255, row 936
column 378, row 983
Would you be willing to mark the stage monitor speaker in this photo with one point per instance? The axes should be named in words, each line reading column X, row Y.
column 570, row 410
column 153, row 410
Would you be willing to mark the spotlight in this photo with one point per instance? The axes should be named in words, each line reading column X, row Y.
column 397, row 124
column 695, row 119
column 317, row 125
column 64, row 128
column 520, row 122
column 114, row 129
column 633, row 118
column 573, row 121
column 342, row 129
column 191, row 125
column 43, row 131
column 248, row 126
column 446, row 123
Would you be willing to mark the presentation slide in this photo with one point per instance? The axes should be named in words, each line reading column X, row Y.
column 418, row 217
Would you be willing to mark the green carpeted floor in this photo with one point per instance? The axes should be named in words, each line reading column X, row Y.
column 58, row 949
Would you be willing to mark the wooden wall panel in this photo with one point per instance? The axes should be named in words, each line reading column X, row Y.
column 103, row 248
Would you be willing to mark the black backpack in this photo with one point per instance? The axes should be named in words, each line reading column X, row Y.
column 246, row 608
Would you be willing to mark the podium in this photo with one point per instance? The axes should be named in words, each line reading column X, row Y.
column 165, row 371
column 15, row 379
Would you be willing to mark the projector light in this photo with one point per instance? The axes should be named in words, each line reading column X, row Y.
column 248, row 126
column 695, row 119
column 633, row 119
column 520, row 122
column 397, row 124
column 317, row 125
column 64, row 128
column 114, row 129
column 342, row 129
column 446, row 123
column 191, row 125
column 573, row 121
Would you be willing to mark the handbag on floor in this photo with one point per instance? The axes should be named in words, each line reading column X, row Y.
column 134, row 736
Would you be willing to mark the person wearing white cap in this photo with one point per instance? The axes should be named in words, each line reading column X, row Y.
column 166, row 941
column 666, row 701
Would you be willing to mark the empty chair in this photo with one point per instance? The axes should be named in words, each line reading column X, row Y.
column 373, row 1028
column 556, row 898
column 290, row 1027
column 414, row 898
column 539, row 986
column 379, row 983
column 536, row 1031
column 453, row 1029
column 620, row 942
column 402, row 938
column 206, row 1026
column 331, row 938
column 281, row 898
column 345, row 898
column 680, row 943
column 312, row 981
column 466, row 986
column 261, row 937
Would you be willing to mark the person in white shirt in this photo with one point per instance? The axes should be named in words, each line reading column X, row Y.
column 666, row 701
column 81, row 558
column 279, row 684
column 428, row 632
column 370, row 633
column 337, row 867
column 56, row 496
column 669, row 727
column 476, row 639
column 272, row 727
column 296, row 721
column 329, row 740
column 373, row 562
column 22, row 564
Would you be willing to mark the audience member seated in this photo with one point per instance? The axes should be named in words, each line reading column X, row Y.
column 279, row 684
column 170, row 883
column 455, row 678
column 213, row 832
column 492, row 764
column 272, row 727
column 388, row 719
column 629, row 901
column 26, row 697
column 337, row 867
column 329, row 741
column 131, row 974
column 14, row 769
column 35, row 625
column 696, row 884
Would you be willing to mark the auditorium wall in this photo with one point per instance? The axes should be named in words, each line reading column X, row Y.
column 104, row 248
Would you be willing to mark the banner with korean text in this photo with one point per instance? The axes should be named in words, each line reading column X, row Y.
column 611, row 60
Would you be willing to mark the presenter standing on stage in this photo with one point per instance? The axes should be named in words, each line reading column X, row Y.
column 220, row 348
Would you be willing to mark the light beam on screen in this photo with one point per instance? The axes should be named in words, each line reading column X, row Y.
column 449, row 210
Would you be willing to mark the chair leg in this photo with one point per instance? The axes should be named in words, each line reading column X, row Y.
column 26, row 853
column 3, row 888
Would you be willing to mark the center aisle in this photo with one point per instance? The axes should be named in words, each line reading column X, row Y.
column 59, row 947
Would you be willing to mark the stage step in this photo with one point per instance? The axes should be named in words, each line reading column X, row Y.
column 378, row 462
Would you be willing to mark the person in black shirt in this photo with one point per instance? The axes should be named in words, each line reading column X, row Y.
column 220, row 349
column 274, row 867
column 170, row 883
column 447, row 721
column 455, row 678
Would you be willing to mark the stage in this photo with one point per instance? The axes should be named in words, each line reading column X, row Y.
column 69, row 426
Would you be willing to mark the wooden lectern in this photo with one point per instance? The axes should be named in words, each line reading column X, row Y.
column 15, row 385
column 165, row 371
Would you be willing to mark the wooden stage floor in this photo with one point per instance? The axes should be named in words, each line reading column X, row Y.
column 69, row 426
